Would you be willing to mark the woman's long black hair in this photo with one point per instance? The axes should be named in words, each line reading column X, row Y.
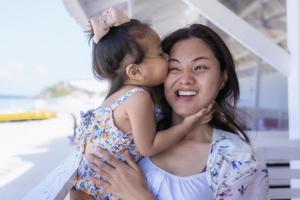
column 226, row 116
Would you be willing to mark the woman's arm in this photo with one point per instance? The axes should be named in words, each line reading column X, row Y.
column 125, row 181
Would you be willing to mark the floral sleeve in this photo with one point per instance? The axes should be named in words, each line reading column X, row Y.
column 235, row 172
column 83, row 129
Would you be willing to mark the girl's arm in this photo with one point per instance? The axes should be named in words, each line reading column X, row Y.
column 140, row 110
column 124, row 181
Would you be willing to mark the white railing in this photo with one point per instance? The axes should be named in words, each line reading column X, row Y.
column 281, row 153
column 58, row 183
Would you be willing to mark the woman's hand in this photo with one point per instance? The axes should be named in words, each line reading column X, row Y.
column 125, row 181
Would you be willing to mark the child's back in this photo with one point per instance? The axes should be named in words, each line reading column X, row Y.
column 98, row 129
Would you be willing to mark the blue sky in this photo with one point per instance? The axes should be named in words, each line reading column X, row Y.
column 40, row 44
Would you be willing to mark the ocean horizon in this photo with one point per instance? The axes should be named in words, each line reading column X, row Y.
column 9, row 103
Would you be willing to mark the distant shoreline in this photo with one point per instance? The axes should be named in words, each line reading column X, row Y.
column 16, row 97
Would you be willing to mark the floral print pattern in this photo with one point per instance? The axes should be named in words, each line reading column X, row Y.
column 97, row 127
column 234, row 170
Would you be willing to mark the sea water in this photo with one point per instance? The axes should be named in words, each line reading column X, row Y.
column 15, row 103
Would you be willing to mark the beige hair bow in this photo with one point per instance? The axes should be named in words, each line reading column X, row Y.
column 109, row 18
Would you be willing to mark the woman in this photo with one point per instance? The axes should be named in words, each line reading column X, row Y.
column 215, row 160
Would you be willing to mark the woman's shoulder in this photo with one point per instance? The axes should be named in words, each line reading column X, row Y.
column 234, row 165
column 229, row 150
column 229, row 144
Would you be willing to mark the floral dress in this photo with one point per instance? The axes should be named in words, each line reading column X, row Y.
column 97, row 126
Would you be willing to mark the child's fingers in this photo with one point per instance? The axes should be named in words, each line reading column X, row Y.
column 205, row 114
column 207, row 110
column 201, row 113
column 209, row 113
column 208, row 116
column 207, row 119
column 210, row 107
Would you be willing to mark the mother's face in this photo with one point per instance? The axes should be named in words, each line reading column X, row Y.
column 194, row 78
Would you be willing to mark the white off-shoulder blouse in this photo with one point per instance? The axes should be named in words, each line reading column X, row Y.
column 234, row 172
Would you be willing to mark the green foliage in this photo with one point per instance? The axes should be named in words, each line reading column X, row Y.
column 60, row 90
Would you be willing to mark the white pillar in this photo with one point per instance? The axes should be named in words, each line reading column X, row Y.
column 256, row 93
column 293, row 41
column 130, row 8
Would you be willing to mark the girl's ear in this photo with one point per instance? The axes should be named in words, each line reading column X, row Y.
column 134, row 72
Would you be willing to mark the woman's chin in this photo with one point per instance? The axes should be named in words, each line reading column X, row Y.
column 185, row 112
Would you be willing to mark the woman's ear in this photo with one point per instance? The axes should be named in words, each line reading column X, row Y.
column 134, row 72
column 224, row 80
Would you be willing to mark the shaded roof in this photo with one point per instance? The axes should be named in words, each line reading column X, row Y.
column 266, row 16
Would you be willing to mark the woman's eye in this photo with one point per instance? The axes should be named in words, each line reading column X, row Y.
column 173, row 69
column 200, row 67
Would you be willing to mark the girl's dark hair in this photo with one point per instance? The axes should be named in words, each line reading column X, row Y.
column 226, row 116
column 118, row 45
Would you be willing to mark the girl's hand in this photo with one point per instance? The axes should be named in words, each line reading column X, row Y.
column 124, row 181
column 204, row 115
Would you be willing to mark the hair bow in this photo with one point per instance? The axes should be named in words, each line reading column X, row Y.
column 109, row 18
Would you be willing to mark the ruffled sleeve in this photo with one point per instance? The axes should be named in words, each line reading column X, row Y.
column 85, row 127
column 235, row 171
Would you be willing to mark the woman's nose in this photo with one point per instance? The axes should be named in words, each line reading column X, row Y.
column 187, row 78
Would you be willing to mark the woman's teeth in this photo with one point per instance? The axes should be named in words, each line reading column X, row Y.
column 186, row 93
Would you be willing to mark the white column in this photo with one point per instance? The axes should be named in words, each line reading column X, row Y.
column 130, row 8
column 293, row 40
column 256, row 92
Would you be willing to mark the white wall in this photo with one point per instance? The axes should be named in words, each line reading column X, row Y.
column 272, row 94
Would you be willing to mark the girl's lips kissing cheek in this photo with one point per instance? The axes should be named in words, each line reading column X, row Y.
column 185, row 95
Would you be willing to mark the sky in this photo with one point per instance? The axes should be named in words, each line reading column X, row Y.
column 40, row 45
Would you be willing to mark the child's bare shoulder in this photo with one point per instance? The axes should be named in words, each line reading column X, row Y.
column 139, row 102
column 142, row 97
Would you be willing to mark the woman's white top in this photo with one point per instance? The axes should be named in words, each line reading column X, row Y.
column 233, row 172
column 166, row 186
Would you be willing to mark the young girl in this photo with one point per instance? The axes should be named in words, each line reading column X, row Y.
column 128, row 54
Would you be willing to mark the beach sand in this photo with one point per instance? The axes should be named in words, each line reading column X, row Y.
column 29, row 151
